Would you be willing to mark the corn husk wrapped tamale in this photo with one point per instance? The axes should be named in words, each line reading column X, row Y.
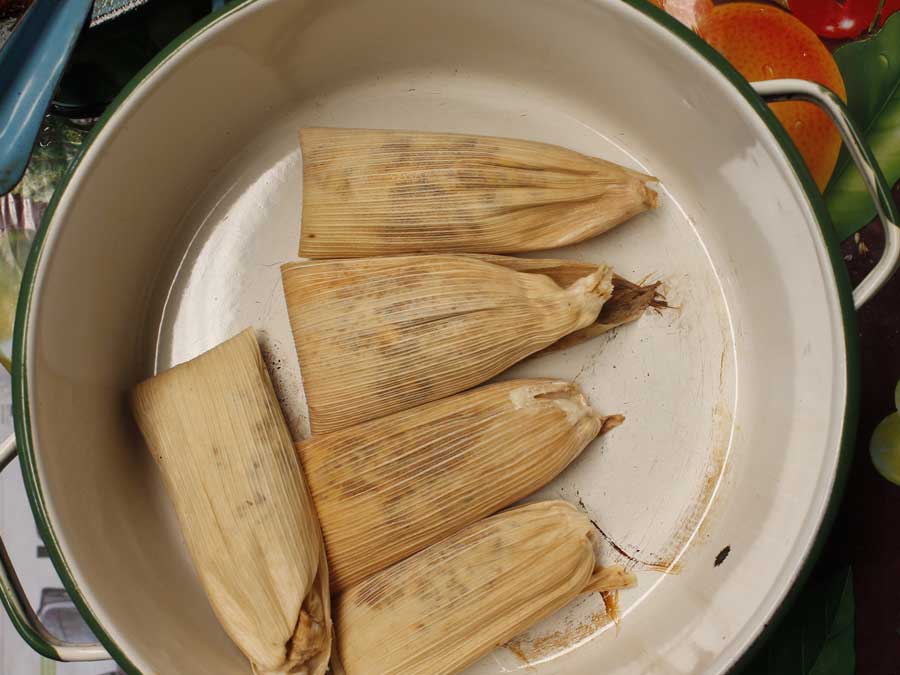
column 443, row 608
column 371, row 192
column 216, row 430
column 390, row 487
column 380, row 335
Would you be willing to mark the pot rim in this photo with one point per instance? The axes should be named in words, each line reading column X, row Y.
column 21, row 408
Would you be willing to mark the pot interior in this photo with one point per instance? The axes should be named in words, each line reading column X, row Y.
column 169, row 238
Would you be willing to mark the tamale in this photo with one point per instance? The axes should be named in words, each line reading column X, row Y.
column 215, row 428
column 390, row 487
column 443, row 608
column 379, row 335
column 373, row 192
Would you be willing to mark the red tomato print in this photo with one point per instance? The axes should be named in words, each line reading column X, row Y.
column 836, row 19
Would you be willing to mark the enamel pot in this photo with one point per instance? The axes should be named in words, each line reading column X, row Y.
column 166, row 238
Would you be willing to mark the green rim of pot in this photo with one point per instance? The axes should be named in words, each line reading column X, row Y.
column 842, row 281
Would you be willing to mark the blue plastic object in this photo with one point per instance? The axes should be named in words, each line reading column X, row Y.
column 31, row 64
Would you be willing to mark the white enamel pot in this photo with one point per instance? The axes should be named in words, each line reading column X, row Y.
column 166, row 239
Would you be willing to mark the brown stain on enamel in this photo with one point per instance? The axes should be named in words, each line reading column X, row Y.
column 696, row 513
column 693, row 522
column 529, row 649
column 663, row 566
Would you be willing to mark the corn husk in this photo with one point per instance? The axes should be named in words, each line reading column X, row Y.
column 390, row 487
column 371, row 192
column 443, row 608
column 627, row 303
column 379, row 335
column 214, row 426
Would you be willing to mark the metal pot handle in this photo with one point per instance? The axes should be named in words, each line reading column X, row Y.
column 20, row 610
column 880, row 191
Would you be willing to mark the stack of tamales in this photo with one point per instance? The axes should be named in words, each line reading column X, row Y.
column 404, row 314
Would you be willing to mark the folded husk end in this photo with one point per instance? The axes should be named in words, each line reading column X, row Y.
column 308, row 652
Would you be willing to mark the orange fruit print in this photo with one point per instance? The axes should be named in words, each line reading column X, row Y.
column 764, row 43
